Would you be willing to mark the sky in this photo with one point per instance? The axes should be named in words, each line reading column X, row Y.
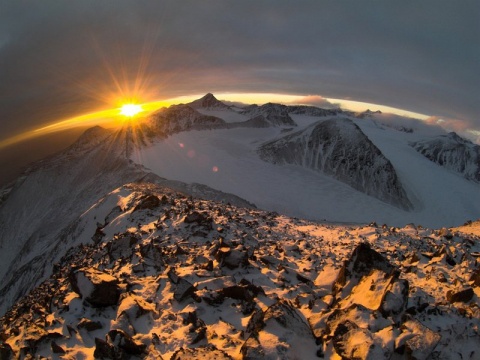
column 63, row 59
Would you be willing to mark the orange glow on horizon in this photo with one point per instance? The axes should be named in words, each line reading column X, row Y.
column 115, row 117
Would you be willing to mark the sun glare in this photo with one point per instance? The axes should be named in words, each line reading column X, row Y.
column 130, row 110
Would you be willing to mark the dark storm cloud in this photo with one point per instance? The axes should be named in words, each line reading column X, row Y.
column 59, row 58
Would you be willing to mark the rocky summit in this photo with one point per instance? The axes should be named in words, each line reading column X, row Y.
column 171, row 276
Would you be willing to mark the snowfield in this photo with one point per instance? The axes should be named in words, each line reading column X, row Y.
column 227, row 160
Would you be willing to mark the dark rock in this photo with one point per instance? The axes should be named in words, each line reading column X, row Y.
column 475, row 277
column 89, row 325
column 204, row 352
column 125, row 342
column 255, row 323
column 97, row 288
column 172, row 275
column 183, row 290
column 464, row 295
column 148, row 202
column 122, row 246
column 198, row 218
column 235, row 259
column 245, row 290
column 104, row 350
column 6, row 352
column 57, row 349
column 98, row 236
column 269, row 260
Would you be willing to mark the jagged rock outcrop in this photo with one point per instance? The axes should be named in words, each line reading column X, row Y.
column 274, row 114
column 178, row 118
column 338, row 147
column 312, row 111
column 452, row 152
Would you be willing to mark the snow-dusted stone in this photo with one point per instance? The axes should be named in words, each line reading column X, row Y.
column 396, row 298
column 207, row 352
column 357, row 314
column 134, row 306
column 285, row 335
column 352, row 342
column 370, row 290
column 97, row 288
column 364, row 261
column 464, row 295
column 183, row 289
column 152, row 255
column 122, row 246
column 416, row 340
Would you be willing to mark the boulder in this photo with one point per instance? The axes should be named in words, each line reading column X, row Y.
column 97, row 288
column 125, row 342
column 104, row 350
column 147, row 202
column 416, row 340
column 183, row 290
column 464, row 295
column 285, row 323
column 89, row 325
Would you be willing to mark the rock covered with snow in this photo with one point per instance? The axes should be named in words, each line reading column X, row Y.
column 297, row 289
column 452, row 152
column 338, row 147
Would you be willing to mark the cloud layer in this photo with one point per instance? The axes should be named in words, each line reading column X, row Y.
column 60, row 59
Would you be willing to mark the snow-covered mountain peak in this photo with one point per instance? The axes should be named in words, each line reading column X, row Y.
column 276, row 114
column 452, row 152
column 209, row 102
column 339, row 148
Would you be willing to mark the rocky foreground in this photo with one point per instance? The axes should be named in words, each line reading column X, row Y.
column 166, row 276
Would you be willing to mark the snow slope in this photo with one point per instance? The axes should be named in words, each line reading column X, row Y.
column 226, row 159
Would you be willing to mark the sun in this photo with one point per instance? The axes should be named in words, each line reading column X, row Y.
column 130, row 110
